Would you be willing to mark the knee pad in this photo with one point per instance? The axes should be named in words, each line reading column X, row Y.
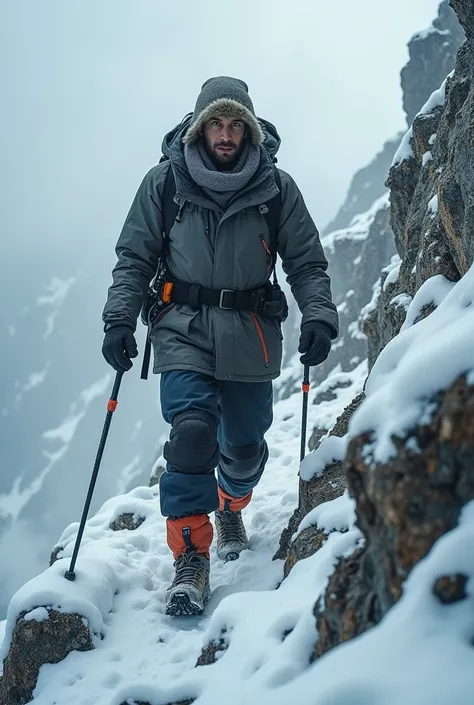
column 245, row 462
column 192, row 446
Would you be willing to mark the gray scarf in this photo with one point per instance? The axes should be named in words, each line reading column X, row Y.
column 221, row 186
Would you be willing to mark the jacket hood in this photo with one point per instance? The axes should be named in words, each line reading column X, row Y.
column 173, row 139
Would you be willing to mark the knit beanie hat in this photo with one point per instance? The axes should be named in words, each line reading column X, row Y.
column 226, row 97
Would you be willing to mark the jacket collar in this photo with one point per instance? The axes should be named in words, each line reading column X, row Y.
column 261, row 187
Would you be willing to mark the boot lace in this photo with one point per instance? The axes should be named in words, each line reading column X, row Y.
column 189, row 570
column 231, row 526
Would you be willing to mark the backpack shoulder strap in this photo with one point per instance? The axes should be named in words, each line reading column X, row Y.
column 272, row 216
column 169, row 206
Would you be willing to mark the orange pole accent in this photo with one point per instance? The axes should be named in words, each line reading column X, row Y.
column 112, row 405
column 305, row 386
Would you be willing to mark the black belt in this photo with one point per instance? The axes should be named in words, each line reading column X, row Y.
column 226, row 299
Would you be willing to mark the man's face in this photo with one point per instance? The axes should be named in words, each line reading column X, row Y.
column 224, row 140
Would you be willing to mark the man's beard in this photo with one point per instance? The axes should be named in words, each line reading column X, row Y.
column 224, row 161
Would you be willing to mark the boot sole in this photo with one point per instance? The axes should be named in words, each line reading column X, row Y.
column 180, row 605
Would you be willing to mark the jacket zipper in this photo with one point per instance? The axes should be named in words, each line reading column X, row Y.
column 261, row 338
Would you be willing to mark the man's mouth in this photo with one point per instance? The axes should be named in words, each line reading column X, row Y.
column 224, row 149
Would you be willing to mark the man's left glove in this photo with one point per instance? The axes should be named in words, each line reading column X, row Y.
column 315, row 342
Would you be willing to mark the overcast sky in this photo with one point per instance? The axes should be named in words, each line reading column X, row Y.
column 90, row 86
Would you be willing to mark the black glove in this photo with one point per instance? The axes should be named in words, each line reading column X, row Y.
column 315, row 341
column 119, row 346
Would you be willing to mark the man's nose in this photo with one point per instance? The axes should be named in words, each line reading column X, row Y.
column 225, row 134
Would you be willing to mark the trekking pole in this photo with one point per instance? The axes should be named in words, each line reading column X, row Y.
column 304, row 417
column 111, row 406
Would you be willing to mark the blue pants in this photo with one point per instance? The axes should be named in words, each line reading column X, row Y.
column 208, row 415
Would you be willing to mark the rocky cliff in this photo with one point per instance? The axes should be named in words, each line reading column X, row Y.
column 359, row 242
column 410, row 497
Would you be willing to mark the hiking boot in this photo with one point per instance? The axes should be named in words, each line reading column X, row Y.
column 231, row 536
column 190, row 588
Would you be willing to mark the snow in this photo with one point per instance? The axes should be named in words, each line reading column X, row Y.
column 40, row 614
column 57, row 290
column 432, row 207
column 420, row 654
column 128, row 474
column 34, row 380
column 433, row 291
column 436, row 100
column 423, row 34
column 403, row 300
column 426, row 157
column 422, row 360
column 122, row 577
column 392, row 270
column 329, row 451
column 405, row 149
column 13, row 501
column 337, row 515
column 66, row 430
column 359, row 227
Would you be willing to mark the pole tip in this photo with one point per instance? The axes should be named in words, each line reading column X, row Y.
column 70, row 575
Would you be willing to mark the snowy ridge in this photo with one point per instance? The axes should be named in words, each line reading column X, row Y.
column 122, row 577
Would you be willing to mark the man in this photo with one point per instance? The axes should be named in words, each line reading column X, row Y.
column 215, row 343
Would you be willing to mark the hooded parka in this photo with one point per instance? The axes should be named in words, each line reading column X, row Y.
column 219, row 249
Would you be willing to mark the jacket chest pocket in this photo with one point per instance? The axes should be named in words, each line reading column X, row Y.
column 252, row 244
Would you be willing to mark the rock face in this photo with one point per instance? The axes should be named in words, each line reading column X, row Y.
column 126, row 521
column 432, row 54
column 355, row 260
column 330, row 485
column 405, row 505
column 356, row 254
column 35, row 643
column 431, row 216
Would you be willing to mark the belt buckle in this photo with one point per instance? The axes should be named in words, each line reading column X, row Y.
column 221, row 299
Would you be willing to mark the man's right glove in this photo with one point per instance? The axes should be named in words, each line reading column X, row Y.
column 119, row 346
column 315, row 342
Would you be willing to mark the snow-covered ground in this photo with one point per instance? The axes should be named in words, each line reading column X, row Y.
column 420, row 654
column 122, row 577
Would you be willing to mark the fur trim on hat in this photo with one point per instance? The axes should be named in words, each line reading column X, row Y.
column 225, row 107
